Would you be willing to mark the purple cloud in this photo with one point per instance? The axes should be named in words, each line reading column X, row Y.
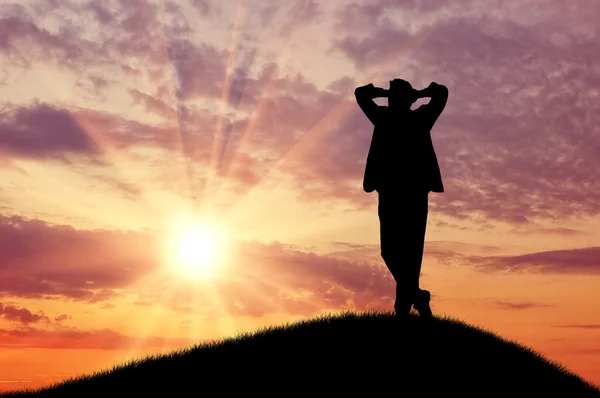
column 45, row 261
column 21, row 315
column 571, row 261
column 40, row 260
column 42, row 131
column 512, row 146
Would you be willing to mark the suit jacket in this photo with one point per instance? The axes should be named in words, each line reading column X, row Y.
column 401, row 154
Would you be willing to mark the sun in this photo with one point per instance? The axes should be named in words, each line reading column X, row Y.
column 196, row 248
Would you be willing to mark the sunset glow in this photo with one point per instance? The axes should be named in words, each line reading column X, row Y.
column 183, row 170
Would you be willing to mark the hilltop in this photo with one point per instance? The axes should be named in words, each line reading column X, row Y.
column 368, row 354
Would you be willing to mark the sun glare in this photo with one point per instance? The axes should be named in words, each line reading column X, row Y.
column 196, row 249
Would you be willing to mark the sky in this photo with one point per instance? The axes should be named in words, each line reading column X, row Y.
column 125, row 126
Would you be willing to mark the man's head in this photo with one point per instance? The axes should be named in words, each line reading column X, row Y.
column 401, row 94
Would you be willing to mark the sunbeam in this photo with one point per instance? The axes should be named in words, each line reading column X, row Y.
column 215, row 160
column 179, row 134
column 146, row 328
column 272, row 79
column 100, row 139
column 315, row 134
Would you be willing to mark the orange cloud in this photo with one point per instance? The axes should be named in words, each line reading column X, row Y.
column 73, row 339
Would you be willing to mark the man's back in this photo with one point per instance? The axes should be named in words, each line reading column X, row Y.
column 403, row 152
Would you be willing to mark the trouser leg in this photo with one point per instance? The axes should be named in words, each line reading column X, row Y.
column 403, row 221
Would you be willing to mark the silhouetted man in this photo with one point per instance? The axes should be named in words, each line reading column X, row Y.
column 402, row 167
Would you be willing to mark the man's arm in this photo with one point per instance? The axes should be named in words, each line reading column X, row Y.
column 439, row 97
column 364, row 97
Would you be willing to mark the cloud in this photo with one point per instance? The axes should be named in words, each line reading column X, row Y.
column 21, row 315
column 200, row 69
column 510, row 305
column 130, row 190
column 42, row 131
column 485, row 258
column 152, row 104
column 590, row 326
column 73, row 338
column 269, row 278
column 512, row 146
column 372, row 50
column 40, row 260
column 24, row 42
column 234, row 149
column 302, row 12
column 62, row 317
column 44, row 261
column 560, row 231
column 584, row 261
column 203, row 6
column 90, row 36
column 283, row 107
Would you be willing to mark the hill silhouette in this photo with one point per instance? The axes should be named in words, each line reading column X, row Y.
column 368, row 354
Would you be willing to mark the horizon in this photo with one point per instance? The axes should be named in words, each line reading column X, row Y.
column 187, row 170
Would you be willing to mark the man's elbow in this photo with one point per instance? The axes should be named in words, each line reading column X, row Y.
column 359, row 92
column 442, row 90
column 440, row 95
column 363, row 91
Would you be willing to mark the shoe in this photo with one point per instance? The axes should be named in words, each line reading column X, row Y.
column 422, row 304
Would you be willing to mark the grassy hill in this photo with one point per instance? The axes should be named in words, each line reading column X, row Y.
column 358, row 354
